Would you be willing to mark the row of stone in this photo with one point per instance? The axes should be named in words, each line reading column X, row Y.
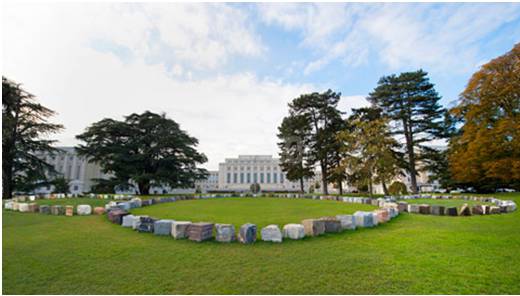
column 68, row 210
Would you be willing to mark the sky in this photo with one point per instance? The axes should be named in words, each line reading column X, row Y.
column 225, row 72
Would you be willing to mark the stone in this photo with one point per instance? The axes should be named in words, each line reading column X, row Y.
column 180, row 229
column 84, row 210
column 363, row 219
column 424, row 209
column 271, row 233
column 23, row 207
column 347, row 221
column 294, row 231
column 382, row 216
column 126, row 206
column 45, row 209
column 145, row 224
column 16, row 206
column 332, row 225
column 200, row 231
column 8, row 205
column 313, row 227
column 225, row 233
column 485, row 209
column 494, row 210
column 116, row 216
column 33, row 208
column 477, row 210
column 99, row 210
column 162, row 227
column 128, row 220
column 247, row 233
column 413, row 208
column 57, row 210
column 465, row 210
column 451, row 211
column 437, row 210
column 375, row 219
column 69, row 211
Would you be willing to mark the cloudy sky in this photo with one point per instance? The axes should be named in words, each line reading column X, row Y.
column 226, row 72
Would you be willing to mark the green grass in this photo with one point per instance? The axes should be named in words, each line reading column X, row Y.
column 413, row 254
column 446, row 202
column 260, row 211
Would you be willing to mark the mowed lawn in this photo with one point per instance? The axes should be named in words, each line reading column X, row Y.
column 412, row 254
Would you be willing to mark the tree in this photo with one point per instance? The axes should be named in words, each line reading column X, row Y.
column 255, row 188
column 412, row 104
column 323, row 121
column 293, row 133
column 25, row 132
column 397, row 188
column 144, row 149
column 487, row 151
column 61, row 185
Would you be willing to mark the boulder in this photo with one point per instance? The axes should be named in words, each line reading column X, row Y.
column 162, row 227
column 128, row 220
column 465, row 210
column 347, row 221
column 313, row 227
column 477, row 210
column 294, row 231
column 247, row 233
column 69, row 211
column 451, row 211
column 200, row 231
column 332, row 225
column 271, row 233
column 84, row 210
column 99, row 210
column 57, row 210
column 363, row 219
column 424, row 209
column 116, row 216
column 23, row 207
column 145, row 224
column 45, row 209
column 33, row 207
column 180, row 229
column 437, row 210
column 225, row 233
column 494, row 210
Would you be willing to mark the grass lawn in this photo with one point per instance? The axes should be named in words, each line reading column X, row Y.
column 446, row 202
column 413, row 254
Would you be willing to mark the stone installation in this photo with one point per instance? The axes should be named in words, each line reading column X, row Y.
column 346, row 221
column 33, row 208
column 271, row 233
column 332, row 225
column 247, row 233
column 451, row 211
column 84, row 210
column 382, row 216
column 116, row 216
column 402, row 206
column 99, row 210
column 363, row 219
column 293, row 231
column 494, row 210
column 69, row 211
column 45, row 209
column 477, row 210
column 162, row 227
column 313, row 227
column 225, row 233
column 413, row 208
column 128, row 220
column 464, row 210
column 200, row 231
column 180, row 229
column 57, row 210
column 437, row 210
column 424, row 209
column 145, row 224
column 23, row 207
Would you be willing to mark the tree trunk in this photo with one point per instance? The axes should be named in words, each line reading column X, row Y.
column 324, row 179
column 301, row 185
column 6, row 182
column 144, row 187
column 370, row 186
column 411, row 156
column 385, row 190
column 340, row 186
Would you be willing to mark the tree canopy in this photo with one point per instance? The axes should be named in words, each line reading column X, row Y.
column 145, row 149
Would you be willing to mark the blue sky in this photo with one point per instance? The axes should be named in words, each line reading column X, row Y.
column 225, row 72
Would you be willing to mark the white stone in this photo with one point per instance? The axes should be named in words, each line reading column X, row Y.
column 128, row 220
column 271, row 233
column 347, row 221
column 180, row 229
column 294, row 231
column 84, row 210
column 23, row 207
column 8, row 205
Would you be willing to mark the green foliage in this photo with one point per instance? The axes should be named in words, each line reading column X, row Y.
column 198, row 189
column 254, row 188
column 24, row 127
column 397, row 188
column 61, row 185
column 145, row 149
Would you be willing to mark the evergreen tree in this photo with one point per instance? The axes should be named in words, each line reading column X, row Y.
column 410, row 101
column 25, row 127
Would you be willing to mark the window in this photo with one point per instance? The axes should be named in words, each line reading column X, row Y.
column 75, row 188
column 241, row 178
column 255, row 178
column 275, row 178
column 261, row 177
column 248, row 177
column 228, row 178
column 268, row 177
column 281, row 178
column 235, row 178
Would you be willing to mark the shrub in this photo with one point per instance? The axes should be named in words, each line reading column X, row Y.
column 397, row 188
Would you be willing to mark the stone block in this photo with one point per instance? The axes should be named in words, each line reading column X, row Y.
column 247, row 233
column 116, row 216
column 16, row 206
column 477, row 210
column 294, row 231
column 494, row 210
column 84, row 210
column 347, row 221
column 382, row 216
column 200, row 231
column 363, row 219
column 402, row 206
column 99, row 210
column 451, row 211
column 8, row 205
column 225, row 233
column 33, row 208
column 271, row 233
column 57, row 210
column 413, row 208
column 69, row 211
column 23, row 207
column 465, row 210
column 424, row 209
column 313, row 227
column 180, row 229
column 128, row 220
column 45, row 209
column 332, row 225
column 375, row 219
column 162, row 227
column 145, row 224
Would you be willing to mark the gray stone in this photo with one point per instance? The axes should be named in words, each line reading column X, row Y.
column 494, row 210
column 294, row 231
column 402, row 206
column 424, row 209
column 8, row 205
column 45, row 209
column 332, row 225
column 271, row 233
column 33, row 208
column 116, row 216
column 83, row 210
column 477, row 210
column 162, row 227
column 347, row 221
column 23, row 207
column 451, row 211
column 180, row 229
column 363, row 219
column 413, row 208
column 200, row 231
column 437, row 210
column 313, row 227
column 57, row 210
column 145, row 224
column 128, row 220
column 247, row 233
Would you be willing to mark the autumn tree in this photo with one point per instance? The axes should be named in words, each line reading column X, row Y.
column 410, row 101
column 25, row 132
column 487, row 151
